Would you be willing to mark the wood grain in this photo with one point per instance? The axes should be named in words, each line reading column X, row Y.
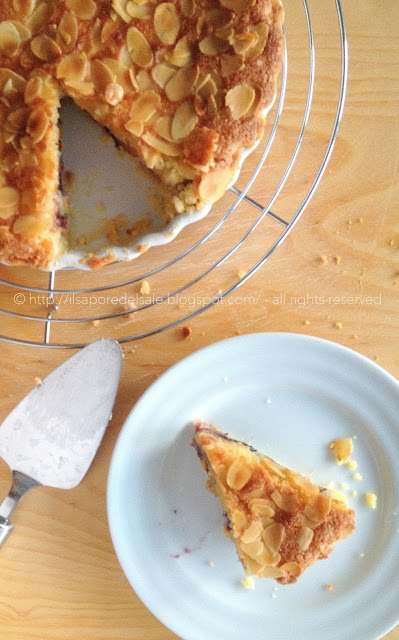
column 60, row 576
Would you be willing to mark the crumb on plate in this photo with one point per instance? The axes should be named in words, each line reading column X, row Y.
column 342, row 449
column 248, row 583
column 371, row 500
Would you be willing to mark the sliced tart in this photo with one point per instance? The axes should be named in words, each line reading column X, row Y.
column 280, row 522
column 184, row 84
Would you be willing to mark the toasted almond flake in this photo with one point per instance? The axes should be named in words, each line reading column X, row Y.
column 139, row 48
column 181, row 85
column 238, row 474
column 25, row 34
column 162, row 73
column 101, row 75
column 113, row 93
column 81, row 88
column 140, row 11
column 244, row 41
column 37, row 126
column 239, row 99
column 83, row 9
column 184, row 121
column 39, row 17
column 207, row 88
column 273, row 536
column 231, row 64
column 45, row 48
column 9, row 200
column 120, row 71
column 262, row 31
column 253, row 549
column 304, row 538
column 67, row 31
column 135, row 127
column 33, row 89
column 234, row 5
column 293, row 568
column 270, row 464
column 181, row 55
column 72, row 67
column 145, row 82
column 213, row 46
column 163, row 127
column 285, row 501
column 17, row 119
column 219, row 18
column 9, row 38
column 318, row 509
column 214, row 184
column 108, row 29
column 166, row 23
column 120, row 7
column 167, row 148
column 252, row 533
column 273, row 572
column 145, row 106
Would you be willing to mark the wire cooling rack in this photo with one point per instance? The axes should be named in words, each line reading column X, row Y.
column 50, row 316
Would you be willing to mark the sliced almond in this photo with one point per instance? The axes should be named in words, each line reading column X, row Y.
column 145, row 82
column 81, row 88
column 253, row 549
column 238, row 521
column 292, row 568
column 17, row 119
column 135, row 127
column 39, row 17
column 108, row 29
column 72, row 67
column 181, row 85
column 273, row 536
column 162, row 73
column 9, row 200
column 262, row 507
column 252, row 533
column 242, row 42
column 139, row 49
column 184, row 121
column 38, row 124
column 163, row 127
column 101, row 75
column 211, row 107
column 167, row 148
column 120, row 7
column 214, row 184
column 166, row 23
column 304, row 538
column 273, row 572
column 9, row 38
column 318, row 509
column 181, row 55
column 145, row 106
column 273, row 467
column 83, row 9
column 237, row 6
column 239, row 99
column 213, row 46
column 219, row 18
column 67, row 34
column 140, row 11
column 239, row 474
column 120, row 71
column 286, row 501
column 18, row 82
column 262, row 31
column 33, row 89
column 45, row 48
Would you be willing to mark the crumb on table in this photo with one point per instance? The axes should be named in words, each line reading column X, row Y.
column 145, row 288
column 38, row 381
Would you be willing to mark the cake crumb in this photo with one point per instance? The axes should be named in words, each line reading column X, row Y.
column 274, row 595
column 268, row 400
column 241, row 273
column 38, row 381
column 361, row 555
column 344, row 486
column 186, row 332
column 211, row 563
column 323, row 259
column 357, row 476
column 371, row 500
column 337, row 259
column 307, row 322
column 352, row 465
column 329, row 586
column 342, row 449
column 248, row 583
column 355, row 335
column 129, row 306
column 354, row 492
column 95, row 323
column 225, row 379
column 338, row 325
column 145, row 287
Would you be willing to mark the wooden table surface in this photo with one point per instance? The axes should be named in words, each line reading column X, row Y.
column 60, row 578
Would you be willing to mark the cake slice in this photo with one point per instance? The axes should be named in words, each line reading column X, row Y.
column 280, row 522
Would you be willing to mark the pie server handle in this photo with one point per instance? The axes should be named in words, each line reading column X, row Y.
column 21, row 483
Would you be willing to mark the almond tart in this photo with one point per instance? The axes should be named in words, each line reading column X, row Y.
column 185, row 85
column 280, row 522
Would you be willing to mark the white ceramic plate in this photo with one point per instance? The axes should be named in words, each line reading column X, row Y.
column 288, row 395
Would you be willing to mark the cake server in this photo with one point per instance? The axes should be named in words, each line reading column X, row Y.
column 52, row 436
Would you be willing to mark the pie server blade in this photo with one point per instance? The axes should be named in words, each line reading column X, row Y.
column 52, row 436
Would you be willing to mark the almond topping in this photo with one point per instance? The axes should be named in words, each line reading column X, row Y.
column 135, row 127
column 145, row 106
column 212, row 46
column 101, row 75
column 181, row 85
column 33, row 89
column 139, row 48
column 39, row 17
column 83, row 9
column 29, row 226
column 184, row 121
column 181, row 54
column 239, row 99
column 140, row 11
column 273, row 536
column 187, row 7
column 244, row 41
column 252, row 533
column 262, row 31
column 162, row 73
column 113, row 93
column 239, row 473
column 166, row 22
column 262, row 507
column 272, row 466
column 253, row 549
column 304, row 538
column 45, row 48
column 163, row 128
column 67, row 32
column 234, row 5
column 214, row 184
column 273, row 572
column 9, row 200
column 120, row 7
column 318, row 509
column 37, row 126
column 219, row 18
column 9, row 38
column 167, row 148
column 72, row 67
column 292, row 568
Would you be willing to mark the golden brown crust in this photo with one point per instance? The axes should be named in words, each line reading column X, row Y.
column 184, row 84
column 280, row 522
